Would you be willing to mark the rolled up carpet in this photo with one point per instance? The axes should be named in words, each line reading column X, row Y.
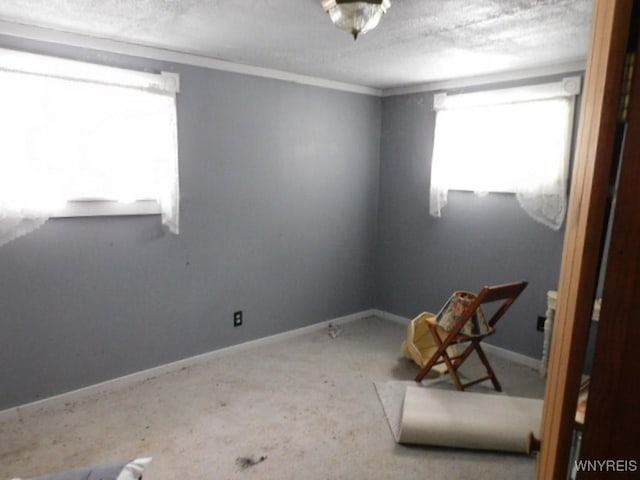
column 470, row 420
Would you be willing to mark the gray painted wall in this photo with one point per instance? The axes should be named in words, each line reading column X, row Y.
column 299, row 204
column 478, row 241
column 279, row 187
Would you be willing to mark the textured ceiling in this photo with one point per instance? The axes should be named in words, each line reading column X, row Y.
column 417, row 41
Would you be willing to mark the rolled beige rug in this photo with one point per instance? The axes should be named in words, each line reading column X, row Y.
column 470, row 420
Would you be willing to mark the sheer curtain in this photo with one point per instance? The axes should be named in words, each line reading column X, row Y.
column 517, row 142
column 75, row 131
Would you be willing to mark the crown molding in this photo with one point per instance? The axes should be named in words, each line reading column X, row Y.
column 154, row 53
column 578, row 65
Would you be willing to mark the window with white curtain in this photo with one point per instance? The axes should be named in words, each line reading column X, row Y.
column 512, row 140
column 84, row 139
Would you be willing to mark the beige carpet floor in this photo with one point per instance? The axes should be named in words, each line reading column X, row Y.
column 306, row 406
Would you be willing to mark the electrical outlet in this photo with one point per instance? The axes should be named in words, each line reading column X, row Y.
column 540, row 324
column 237, row 318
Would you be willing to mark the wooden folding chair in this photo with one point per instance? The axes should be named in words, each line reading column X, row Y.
column 508, row 293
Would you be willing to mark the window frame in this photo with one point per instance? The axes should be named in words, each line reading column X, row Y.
column 540, row 190
column 68, row 69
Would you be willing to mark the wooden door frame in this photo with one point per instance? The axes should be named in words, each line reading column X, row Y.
column 586, row 225
column 611, row 432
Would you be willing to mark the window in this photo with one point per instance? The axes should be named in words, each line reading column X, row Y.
column 512, row 140
column 77, row 135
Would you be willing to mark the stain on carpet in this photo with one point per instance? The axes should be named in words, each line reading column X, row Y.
column 248, row 462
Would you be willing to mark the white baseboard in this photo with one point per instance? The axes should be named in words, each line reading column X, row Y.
column 392, row 317
column 15, row 413
column 515, row 357
column 498, row 351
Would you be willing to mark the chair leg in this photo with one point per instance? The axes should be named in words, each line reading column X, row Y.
column 432, row 361
column 485, row 362
column 434, row 358
column 464, row 355
column 453, row 371
column 452, row 365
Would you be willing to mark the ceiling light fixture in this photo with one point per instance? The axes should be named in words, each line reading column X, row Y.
column 356, row 17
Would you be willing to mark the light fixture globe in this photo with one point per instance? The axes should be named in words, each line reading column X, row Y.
column 356, row 17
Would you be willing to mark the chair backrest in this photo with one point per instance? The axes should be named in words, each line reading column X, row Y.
column 508, row 292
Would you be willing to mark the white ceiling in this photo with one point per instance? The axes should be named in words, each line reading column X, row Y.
column 417, row 41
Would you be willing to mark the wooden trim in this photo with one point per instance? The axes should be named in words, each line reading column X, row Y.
column 586, row 222
column 613, row 416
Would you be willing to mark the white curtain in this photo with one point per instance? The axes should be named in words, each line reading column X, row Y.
column 521, row 147
column 68, row 138
column 12, row 227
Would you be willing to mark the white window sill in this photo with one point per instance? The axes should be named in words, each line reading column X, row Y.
column 101, row 208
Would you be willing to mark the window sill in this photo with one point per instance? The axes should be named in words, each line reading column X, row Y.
column 102, row 208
